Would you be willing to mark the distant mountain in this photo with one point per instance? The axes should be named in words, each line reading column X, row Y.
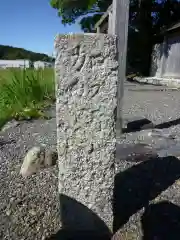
column 12, row 53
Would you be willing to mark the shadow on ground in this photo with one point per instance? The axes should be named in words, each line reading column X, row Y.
column 161, row 221
column 136, row 186
column 133, row 190
column 79, row 222
column 168, row 124
column 138, row 125
column 144, row 123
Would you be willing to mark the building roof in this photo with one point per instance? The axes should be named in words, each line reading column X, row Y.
column 105, row 16
column 173, row 27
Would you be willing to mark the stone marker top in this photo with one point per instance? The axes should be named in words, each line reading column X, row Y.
column 76, row 35
column 66, row 41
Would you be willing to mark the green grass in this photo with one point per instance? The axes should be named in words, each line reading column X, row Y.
column 25, row 92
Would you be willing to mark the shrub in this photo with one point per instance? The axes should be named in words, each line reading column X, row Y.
column 25, row 92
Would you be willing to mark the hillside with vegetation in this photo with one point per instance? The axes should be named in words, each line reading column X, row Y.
column 12, row 53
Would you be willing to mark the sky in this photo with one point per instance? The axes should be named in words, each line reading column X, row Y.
column 31, row 24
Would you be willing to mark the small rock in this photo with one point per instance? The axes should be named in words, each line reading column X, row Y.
column 90, row 148
column 32, row 212
column 178, row 182
column 38, row 228
column 37, row 158
column 50, row 158
column 8, row 212
column 10, row 124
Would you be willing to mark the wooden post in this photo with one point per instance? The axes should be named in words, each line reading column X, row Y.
column 120, row 28
column 110, row 23
column 163, row 58
column 98, row 30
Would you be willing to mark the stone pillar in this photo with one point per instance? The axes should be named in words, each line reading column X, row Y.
column 86, row 71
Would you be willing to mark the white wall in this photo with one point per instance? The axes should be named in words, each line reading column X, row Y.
column 14, row 63
column 172, row 58
column 41, row 64
column 166, row 58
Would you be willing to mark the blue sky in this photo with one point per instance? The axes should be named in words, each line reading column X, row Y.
column 31, row 24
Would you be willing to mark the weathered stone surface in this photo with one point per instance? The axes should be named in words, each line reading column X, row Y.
column 86, row 78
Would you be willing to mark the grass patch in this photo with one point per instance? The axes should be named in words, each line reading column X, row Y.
column 25, row 92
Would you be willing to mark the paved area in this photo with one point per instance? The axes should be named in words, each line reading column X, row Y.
column 29, row 207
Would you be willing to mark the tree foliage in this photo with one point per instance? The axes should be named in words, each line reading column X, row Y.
column 90, row 10
column 12, row 53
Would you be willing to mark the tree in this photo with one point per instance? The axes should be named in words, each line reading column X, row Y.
column 89, row 10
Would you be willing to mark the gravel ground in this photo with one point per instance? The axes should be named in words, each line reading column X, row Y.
column 147, row 190
column 29, row 207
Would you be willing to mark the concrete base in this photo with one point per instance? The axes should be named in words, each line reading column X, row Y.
column 170, row 82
